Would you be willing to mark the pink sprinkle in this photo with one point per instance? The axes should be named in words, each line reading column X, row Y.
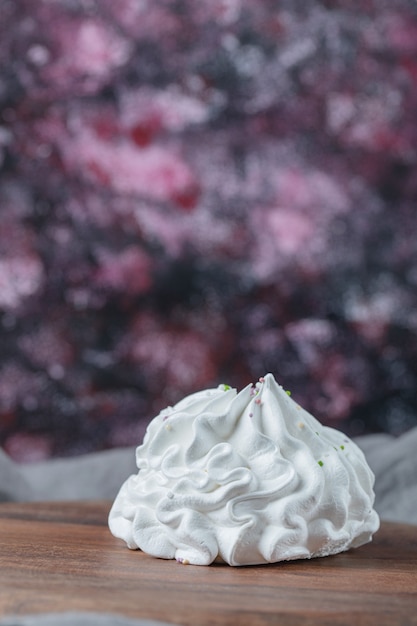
column 262, row 379
column 258, row 401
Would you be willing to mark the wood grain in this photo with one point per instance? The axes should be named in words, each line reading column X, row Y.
column 60, row 557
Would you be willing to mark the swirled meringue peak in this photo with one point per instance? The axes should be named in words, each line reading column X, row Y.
column 246, row 478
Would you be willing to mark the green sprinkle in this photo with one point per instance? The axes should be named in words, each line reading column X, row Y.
column 320, row 463
column 342, row 447
column 226, row 387
column 288, row 393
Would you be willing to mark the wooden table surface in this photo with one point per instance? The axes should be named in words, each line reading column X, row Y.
column 61, row 556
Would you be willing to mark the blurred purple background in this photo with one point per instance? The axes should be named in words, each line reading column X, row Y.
column 202, row 192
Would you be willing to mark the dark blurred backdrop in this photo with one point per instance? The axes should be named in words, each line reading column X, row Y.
column 201, row 192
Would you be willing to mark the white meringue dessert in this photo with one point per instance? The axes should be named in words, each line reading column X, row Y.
column 246, row 478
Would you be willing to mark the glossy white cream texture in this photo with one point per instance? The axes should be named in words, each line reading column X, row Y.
column 245, row 477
